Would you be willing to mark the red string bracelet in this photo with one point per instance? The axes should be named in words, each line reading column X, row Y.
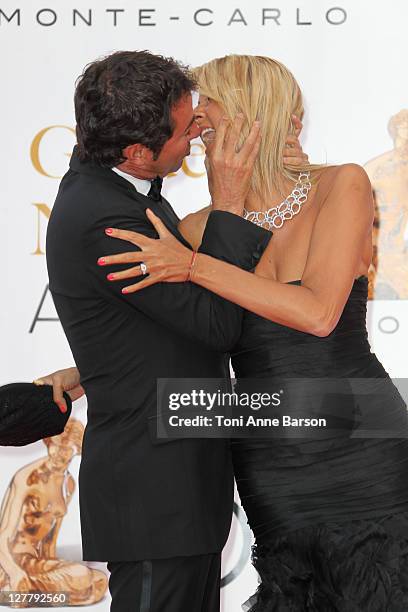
column 190, row 268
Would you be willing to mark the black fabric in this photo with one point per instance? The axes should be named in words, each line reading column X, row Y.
column 138, row 499
column 329, row 513
column 355, row 566
column 180, row 584
column 28, row 414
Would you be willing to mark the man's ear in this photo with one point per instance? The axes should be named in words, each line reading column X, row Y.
column 138, row 155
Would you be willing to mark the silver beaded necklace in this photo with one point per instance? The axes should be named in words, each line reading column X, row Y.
column 276, row 216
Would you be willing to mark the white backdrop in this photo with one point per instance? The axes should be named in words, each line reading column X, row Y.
column 350, row 59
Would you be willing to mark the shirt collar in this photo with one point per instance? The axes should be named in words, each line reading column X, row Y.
column 141, row 185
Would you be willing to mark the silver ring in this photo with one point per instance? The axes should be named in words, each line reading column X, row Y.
column 143, row 268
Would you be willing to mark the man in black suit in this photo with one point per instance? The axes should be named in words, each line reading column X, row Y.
column 157, row 510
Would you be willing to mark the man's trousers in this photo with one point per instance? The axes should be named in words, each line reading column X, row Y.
column 178, row 584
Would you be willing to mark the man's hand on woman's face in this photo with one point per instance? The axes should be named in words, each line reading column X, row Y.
column 293, row 154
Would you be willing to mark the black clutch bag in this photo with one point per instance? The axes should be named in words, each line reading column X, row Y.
column 28, row 414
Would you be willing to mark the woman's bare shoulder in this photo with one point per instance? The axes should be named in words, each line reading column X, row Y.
column 193, row 225
column 350, row 172
column 334, row 180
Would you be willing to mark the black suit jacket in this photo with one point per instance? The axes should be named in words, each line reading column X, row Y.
column 142, row 497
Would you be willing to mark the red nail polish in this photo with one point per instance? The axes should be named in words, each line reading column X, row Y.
column 62, row 408
column 109, row 230
column 101, row 261
column 125, row 291
column 110, row 276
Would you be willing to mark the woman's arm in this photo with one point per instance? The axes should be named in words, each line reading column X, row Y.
column 340, row 234
column 340, row 242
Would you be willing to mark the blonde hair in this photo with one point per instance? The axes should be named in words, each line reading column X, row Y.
column 262, row 89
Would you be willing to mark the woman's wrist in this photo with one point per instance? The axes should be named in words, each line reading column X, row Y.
column 191, row 266
column 201, row 269
column 231, row 207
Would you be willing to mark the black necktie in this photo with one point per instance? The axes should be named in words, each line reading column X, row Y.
column 155, row 189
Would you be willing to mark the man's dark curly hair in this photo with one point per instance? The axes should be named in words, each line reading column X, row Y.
column 124, row 99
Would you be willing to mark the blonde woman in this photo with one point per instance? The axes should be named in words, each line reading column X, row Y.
column 329, row 513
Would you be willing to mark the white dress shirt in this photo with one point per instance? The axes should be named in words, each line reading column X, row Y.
column 141, row 185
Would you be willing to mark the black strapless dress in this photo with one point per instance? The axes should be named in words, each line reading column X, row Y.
column 330, row 514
